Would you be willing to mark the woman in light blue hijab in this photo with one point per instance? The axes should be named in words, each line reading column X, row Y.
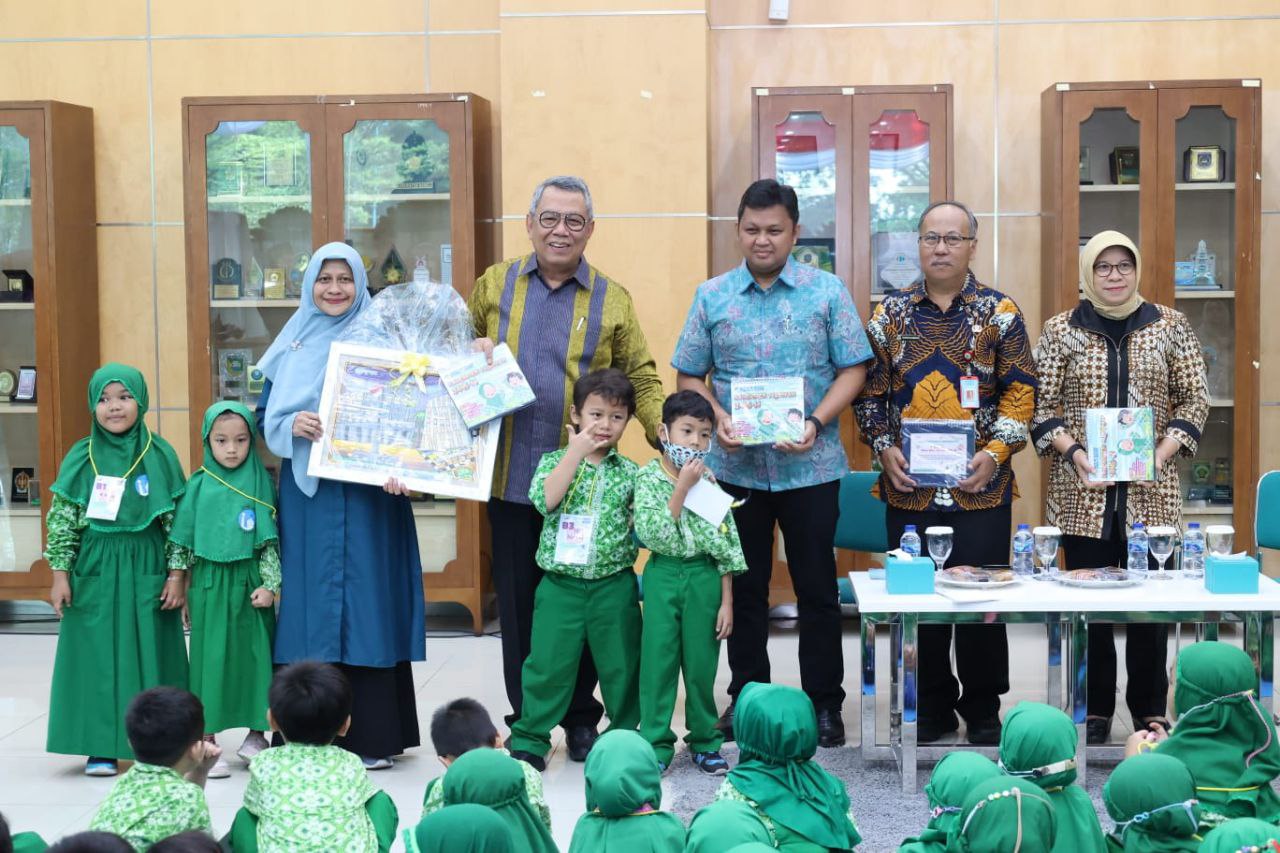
column 351, row 593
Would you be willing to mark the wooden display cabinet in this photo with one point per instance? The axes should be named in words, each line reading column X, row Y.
column 267, row 180
column 48, row 231
column 1168, row 211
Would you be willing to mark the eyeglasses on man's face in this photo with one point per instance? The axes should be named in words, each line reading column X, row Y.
column 952, row 240
column 1103, row 269
column 573, row 221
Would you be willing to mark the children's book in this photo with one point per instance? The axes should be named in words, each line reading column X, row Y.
column 484, row 392
column 768, row 409
column 1121, row 444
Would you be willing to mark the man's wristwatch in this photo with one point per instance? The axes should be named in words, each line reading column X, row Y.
column 817, row 424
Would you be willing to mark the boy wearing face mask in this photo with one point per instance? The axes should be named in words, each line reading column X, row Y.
column 687, row 586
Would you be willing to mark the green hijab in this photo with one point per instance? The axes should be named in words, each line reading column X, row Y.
column 488, row 777
column 1225, row 738
column 464, row 828
column 1038, row 744
column 1152, row 799
column 723, row 825
column 953, row 778
column 1242, row 833
column 154, row 478
column 227, row 514
column 623, row 777
column 1004, row 815
column 777, row 733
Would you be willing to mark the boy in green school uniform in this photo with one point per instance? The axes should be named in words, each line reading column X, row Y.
column 688, row 591
column 588, row 594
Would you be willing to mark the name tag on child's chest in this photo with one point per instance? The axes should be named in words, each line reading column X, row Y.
column 573, row 539
column 104, row 502
column 969, row 392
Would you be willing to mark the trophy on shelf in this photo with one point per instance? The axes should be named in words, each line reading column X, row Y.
column 273, row 284
column 419, row 164
column 1200, row 492
column 420, row 273
column 293, row 285
column 1204, row 164
column 1198, row 272
column 1222, row 490
column 18, row 286
column 25, row 392
column 393, row 271
column 1086, row 170
column 227, row 277
column 233, row 368
column 21, row 491
column 253, row 283
column 1124, row 164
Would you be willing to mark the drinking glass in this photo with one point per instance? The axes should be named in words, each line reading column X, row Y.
column 1160, row 541
column 1047, row 541
column 1218, row 537
column 939, row 544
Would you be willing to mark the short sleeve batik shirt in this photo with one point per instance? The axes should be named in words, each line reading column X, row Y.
column 149, row 803
column 803, row 325
column 601, row 490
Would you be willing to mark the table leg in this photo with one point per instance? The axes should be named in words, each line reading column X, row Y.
column 1267, row 654
column 868, row 687
column 895, row 679
column 1053, row 668
column 1258, row 635
column 910, row 660
column 1078, row 686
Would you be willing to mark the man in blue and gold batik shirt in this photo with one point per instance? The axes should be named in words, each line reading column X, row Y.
column 933, row 341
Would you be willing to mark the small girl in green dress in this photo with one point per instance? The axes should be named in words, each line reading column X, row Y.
column 121, row 629
column 225, row 532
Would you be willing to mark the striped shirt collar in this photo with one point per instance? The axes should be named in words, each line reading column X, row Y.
column 582, row 277
column 743, row 279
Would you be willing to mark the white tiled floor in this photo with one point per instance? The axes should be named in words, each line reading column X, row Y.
column 49, row 793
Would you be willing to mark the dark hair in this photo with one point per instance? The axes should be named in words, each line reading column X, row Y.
column 687, row 403
column 461, row 726
column 192, row 841
column 92, row 842
column 767, row 193
column 310, row 702
column 611, row 384
column 6, row 840
column 162, row 723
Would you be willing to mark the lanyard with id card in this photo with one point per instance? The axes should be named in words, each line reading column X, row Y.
column 108, row 492
column 575, row 532
column 970, row 396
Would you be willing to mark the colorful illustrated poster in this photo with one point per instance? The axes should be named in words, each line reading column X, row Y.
column 380, row 422
column 937, row 451
column 484, row 392
column 768, row 410
column 1121, row 444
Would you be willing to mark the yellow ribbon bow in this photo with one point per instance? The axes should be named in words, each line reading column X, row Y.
column 415, row 365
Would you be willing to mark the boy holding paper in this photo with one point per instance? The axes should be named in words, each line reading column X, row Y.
column 684, row 520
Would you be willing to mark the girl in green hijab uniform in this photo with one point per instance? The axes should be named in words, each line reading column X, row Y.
column 118, row 593
column 804, row 806
column 1039, row 744
column 1004, row 815
column 464, row 828
column 225, row 531
column 1242, row 835
column 953, row 778
column 624, row 793
column 1152, row 799
column 723, row 825
column 488, row 777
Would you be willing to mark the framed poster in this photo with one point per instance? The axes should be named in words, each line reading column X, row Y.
column 387, row 414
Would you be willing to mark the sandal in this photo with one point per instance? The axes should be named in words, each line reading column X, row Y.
column 1143, row 724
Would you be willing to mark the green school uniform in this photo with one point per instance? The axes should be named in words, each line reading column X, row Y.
column 1152, row 799
column 433, row 797
column 114, row 641
column 689, row 555
column 464, row 828
column 486, row 777
column 596, row 604
column 1242, row 833
column 1003, row 814
column 723, row 825
column 225, row 529
column 29, row 842
column 624, row 795
column 954, row 777
column 149, row 803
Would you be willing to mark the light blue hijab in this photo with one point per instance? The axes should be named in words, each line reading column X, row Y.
column 295, row 361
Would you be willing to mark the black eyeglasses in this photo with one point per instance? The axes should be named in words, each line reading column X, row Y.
column 573, row 221
column 1104, row 269
column 953, row 241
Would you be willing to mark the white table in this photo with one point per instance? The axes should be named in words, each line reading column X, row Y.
column 1066, row 613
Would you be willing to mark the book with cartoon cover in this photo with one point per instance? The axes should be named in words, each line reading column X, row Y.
column 768, row 409
column 1121, row 444
column 484, row 392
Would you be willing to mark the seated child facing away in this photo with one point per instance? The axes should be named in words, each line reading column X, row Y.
column 1242, row 833
column 804, row 807
column 624, row 798
column 1004, row 814
column 486, row 777
column 1038, row 743
column 953, row 778
column 588, row 595
column 723, row 826
column 688, row 594
column 23, row 842
column 92, row 842
column 464, row 828
column 163, row 793
column 310, row 795
column 464, row 725
column 1226, row 739
column 1152, row 799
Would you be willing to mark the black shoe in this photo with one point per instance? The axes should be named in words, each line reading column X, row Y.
column 830, row 728
column 930, row 729
column 725, row 723
column 579, row 740
column 984, row 732
column 534, row 761
column 1097, row 730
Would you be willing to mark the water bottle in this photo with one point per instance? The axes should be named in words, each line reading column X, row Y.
column 1193, row 551
column 1138, row 548
column 910, row 541
column 1024, row 544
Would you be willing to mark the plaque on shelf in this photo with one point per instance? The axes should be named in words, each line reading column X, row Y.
column 817, row 252
column 20, row 493
column 1201, row 471
column 256, row 380
column 1222, row 489
column 1124, row 164
column 273, row 285
column 233, row 369
column 33, row 489
column 18, row 286
column 897, row 258
column 420, row 274
column 423, row 166
column 227, row 277
column 278, row 171
column 393, row 271
column 293, row 285
column 26, row 390
column 8, row 384
column 1204, row 164
column 1086, row 170
column 253, row 282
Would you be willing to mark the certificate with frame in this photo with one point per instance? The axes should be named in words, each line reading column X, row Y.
column 386, row 413
column 937, row 451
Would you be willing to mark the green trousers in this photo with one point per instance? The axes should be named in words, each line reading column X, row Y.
column 568, row 612
column 681, row 600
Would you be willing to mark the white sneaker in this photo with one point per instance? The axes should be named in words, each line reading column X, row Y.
column 220, row 769
column 376, row 763
column 254, row 743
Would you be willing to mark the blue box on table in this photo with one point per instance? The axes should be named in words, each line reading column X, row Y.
column 908, row 577
column 1237, row 574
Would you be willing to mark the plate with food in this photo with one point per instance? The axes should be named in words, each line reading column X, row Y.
column 974, row 577
column 1100, row 578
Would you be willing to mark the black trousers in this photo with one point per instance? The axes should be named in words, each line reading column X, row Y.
column 1146, row 648
column 516, row 529
column 807, row 518
column 384, row 711
column 982, row 651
